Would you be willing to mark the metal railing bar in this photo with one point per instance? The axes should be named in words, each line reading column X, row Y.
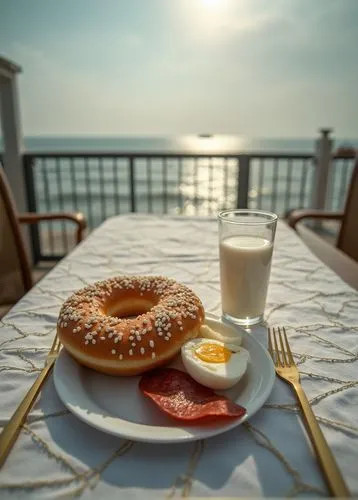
column 133, row 204
column 48, row 198
column 116, row 185
column 210, row 185
column 28, row 165
column 61, row 205
column 288, row 184
column 260, row 183
column 180, row 178
column 154, row 154
column 226, row 183
column 101, row 187
column 73, row 184
column 149, row 190
column 88, row 193
column 274, row 186
column 196, row 184
column 303, row 184
column 165, row 184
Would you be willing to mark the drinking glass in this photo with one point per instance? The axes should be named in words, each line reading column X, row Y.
column 246, row 240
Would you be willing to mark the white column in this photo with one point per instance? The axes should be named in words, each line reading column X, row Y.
column 12, row 140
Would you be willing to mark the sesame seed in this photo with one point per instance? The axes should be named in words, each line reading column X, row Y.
column 131, row 352
column 142, row 350
column 93, row 341
column 153, row 355
column 86, row 342
column 113, row 351
column 116, row 339
column 133, row 344
column 151, row 343
column 121, row 356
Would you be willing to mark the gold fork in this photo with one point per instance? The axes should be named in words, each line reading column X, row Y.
column 287, row 370
column 12, row 429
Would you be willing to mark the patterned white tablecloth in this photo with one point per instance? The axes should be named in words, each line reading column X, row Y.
column 57, row 456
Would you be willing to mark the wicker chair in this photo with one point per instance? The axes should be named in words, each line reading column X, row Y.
column 15, row 271
column 343, row 258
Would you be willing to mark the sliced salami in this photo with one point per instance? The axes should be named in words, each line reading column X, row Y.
column 184, row 399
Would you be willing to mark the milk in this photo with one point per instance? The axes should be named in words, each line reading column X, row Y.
column 245, row 263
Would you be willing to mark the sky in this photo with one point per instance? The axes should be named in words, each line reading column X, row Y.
column 257, row 68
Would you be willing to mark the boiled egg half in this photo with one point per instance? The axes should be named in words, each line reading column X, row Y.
column 213, row 363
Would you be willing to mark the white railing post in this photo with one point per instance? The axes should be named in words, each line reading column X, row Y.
column 12, row 140
column 322, row 170
column 12, row 136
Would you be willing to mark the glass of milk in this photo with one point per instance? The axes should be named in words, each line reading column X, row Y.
column 246, row 239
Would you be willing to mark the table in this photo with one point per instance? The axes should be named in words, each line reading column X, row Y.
column 57, row 456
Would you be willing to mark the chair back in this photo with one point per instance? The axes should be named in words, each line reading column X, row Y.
column 15, row 274
column 348, row 236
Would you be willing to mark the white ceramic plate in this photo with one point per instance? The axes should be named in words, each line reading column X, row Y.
column 115, row 405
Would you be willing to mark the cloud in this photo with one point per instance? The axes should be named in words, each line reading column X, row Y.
column 58, row 99
column 132, row 40
column 249, row 23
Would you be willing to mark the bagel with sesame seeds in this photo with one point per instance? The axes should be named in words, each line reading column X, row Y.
column 128, row 325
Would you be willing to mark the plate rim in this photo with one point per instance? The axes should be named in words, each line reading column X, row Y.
column 185, row 435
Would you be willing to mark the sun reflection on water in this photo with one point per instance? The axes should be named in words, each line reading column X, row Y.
column 205, row 143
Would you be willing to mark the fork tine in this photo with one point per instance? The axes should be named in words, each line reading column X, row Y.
column 54, row 346
column 58, row 345
column 278, row 359
column 288, row 349
column 270, row 350
column 283, row 353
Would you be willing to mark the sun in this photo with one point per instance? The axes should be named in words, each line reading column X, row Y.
column 212, row 3
column 204, row 19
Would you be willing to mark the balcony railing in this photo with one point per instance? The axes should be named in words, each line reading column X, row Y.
column 103, row 184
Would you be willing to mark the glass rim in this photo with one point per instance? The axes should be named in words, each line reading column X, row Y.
column 271, row 217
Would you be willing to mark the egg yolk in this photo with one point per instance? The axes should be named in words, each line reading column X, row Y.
column 213, row 353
